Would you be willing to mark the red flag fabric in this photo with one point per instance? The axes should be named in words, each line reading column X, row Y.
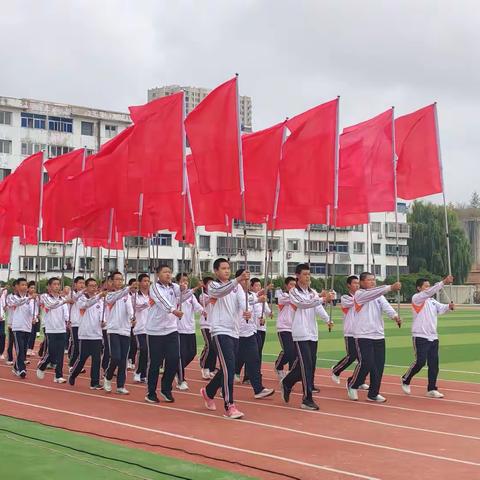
column 366, row 176
column 5, row 240
column 418, row 167
column 65, row 165
column 212, row 131
column 261, row 159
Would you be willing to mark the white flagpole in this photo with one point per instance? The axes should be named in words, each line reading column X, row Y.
column 327, row 246
column 335, row 196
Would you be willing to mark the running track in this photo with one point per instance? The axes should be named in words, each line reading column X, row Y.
column 415, row 437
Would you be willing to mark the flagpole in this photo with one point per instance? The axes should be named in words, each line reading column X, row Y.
column 39, row 232
column 367, row 248
column 327, row 247
column 309, row 229
column 184, row 197
column 242, row 185
column 64, row 253
column 266, row 269
column 125, row 266
column 394, row 161
column 372, row 251
column 25, row 248
column 109, row 241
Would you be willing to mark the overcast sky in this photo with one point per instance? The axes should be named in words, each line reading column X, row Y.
column 291, row 55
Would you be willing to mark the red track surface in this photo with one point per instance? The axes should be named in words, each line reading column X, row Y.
column 408, row 437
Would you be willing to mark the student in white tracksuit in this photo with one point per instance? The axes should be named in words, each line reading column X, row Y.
column 74, row 319
column 368, row 330
column 141, row 304
column 306, row 302
column 89, row 333
column 208, row 357
column 424, row 332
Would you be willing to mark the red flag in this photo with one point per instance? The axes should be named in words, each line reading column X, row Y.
column 65, row 165
column 366, row 176
column 213, row 133
column 418, row 168
column 5, row 240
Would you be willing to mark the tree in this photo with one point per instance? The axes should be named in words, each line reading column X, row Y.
column 475, row 201
column 427, row 244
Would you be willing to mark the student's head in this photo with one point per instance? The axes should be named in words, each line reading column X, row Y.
column 117, row 280
column 255, row 285
column 206, row 281
column 143, row 281
column 14, row 285
column 22, row 286
column 221, row 267
column 244, row 283
column 164, row 274
column 53, row 285
column 422, row 284
column 132, row 282
column 353, row 283
column 66, row 290
column 79, row 283
column 32, row 288
column 91, row 286
column 367, row 280
column 289, row 283
column 181, row 276
column 302, row 272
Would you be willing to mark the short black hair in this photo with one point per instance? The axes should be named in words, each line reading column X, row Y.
column 116, row 272
column 142, row 276
column 180, row 275
column 419, row 283
column 205, row 280
column 14, row 283
column 239, row 272
column 77, row 279
column 351, row 278
column 21, row 279
column 131, row 281
column 289, row 279
column 51, row 280
column 31, row 283
column 161, row 267
column 218, row 262
column 301, row 267
column 364, row 275
column 89, row 280
column 254, row 280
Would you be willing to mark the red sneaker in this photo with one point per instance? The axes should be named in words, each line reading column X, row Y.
column 209, row 402
column 233, row 412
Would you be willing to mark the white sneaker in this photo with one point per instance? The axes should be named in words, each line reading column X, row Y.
column 137, row 378
column 122, row 391
column 237, row 379
column 59, row 380
column 9, row 362
column 182, row 385
column 352, row 393
column 377, row 399
column 266, row 392
column 130, row 365
column 364, row 386
column 205, row 373
column 406, row 388
column 336, row 379
column 435, row 394
column 2, row 357
column 40, row 374
column 107, row 385
column 212, row 374
column 70, row 369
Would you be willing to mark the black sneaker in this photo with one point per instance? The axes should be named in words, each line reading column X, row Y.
column 23, row 374
column 309, row 405
column 285, row 392
column 96, row 387
column 315, row 389
column 167, row 396
column 71, row 380
column 152, row 398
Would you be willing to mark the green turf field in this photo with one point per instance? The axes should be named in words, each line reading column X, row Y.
column 459, row 334
column 25, row 456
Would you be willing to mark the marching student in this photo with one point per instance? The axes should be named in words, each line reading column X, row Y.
column 74, row 318
column 141, row 305
column 21, row 325
column 208, row 357
column 55, row 329
column 132, row 353
column 424, row 333
column 162, row 332
column 348, row 309
column 89, row 333
column 368, row 330
column 248, row 351
column 35, row 307
column 107, row 286
column 186, row 333
column 225, row 333
column 305, row 301
column 260, row 312
column 3, row 296
column 286, row 311
column 8, row 313
column 119, row 324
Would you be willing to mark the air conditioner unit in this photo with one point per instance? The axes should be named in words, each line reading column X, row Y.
column 53, row 250
column 379, row 236
column 289, row 254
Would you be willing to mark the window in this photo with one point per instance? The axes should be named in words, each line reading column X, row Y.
column 391, row 270
column 402, row 207
column 342, row 269
column 27, row 264
column 4, row 173
column 377, row 270
column 376, row 227
column 5, row 117
column 317, row 268
column 162, row 240
column 87, row 264
column 32, row 120
column 342, row 247
column 5, row 146
column 110, row 264
column 54, row 264
column 143, row 265
column 136, row 242
column 391, row 250
column 357, row 228
column 275, row 268
column 110, row 131
column 403, row 230
column 204, row 243
column 273, row 244
column 164, row 261
column 185, row 268
column 205, row 265
column 316, row 246
column 293, row 245
column 255, row 268
column 318, row 227
column 59, row 124
column 228, row 245
column 376, row 248
column 249, row 225
column 29, row 148
column 89, row 151
column 358, row 269
column 253, row 243
column 57, row 150
column 4, row 266
column 46, row 178
column 358, row 247
column 87, row 128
